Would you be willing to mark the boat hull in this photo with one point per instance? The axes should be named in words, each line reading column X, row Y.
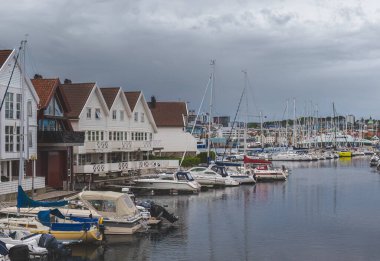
column 166, row 185
column 343, row 154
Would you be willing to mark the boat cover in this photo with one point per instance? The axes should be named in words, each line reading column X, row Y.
column 23, row 201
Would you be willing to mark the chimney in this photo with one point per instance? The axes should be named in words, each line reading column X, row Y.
column 153, row 102
column 38, row 76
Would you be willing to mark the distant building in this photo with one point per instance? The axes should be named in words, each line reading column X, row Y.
column 350, row 119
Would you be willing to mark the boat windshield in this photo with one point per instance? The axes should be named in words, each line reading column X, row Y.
column 104, row 205
column 128, row 201
column 184, row 176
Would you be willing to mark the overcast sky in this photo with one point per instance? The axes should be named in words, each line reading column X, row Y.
column 317, row 51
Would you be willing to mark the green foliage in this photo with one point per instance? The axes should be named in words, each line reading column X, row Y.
column 190, row 161
column 203, row 156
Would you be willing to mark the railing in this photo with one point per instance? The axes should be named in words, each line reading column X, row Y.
column 54, row 137
column 9, row 187
column 125, row 166
column 97, row 146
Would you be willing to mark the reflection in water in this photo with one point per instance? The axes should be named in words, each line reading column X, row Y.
column 325, row 211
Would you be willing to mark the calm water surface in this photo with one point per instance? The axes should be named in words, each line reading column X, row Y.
column 325, row 211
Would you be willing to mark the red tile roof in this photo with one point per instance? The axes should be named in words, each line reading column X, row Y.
column 76, row 95
column 4, row 54
column 168, row 114
column 109, row 95
column 132, row 98
column 45, row 89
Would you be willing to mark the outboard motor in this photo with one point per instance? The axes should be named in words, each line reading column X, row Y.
column 54, row 247
column 3, row 249
column 159, row 211
column 19, row 253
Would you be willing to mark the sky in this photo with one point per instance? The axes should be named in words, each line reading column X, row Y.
column 318, row 52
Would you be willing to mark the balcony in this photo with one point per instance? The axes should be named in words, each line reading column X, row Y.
column 126, row 166
column 97, row 146
column 60, row 138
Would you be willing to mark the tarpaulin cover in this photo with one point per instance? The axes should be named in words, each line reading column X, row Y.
column 23, row 201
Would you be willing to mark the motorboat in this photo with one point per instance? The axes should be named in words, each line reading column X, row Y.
column 267, row 173
column 374, row 161
column 235, row 172
column 173, row 182
column 32, row 241
column 291, row 156
column 208, row 178
column 345, row 153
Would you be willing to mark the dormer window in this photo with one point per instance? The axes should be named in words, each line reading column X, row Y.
column 114, row 114
column 97, row 114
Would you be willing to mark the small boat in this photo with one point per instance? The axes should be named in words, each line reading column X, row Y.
column 234, row 171
column 344, row 153
column 208, row 178
column 374, row 161
column 267, row 173
column 68, row 231
column 177, row 182
column 32, row 241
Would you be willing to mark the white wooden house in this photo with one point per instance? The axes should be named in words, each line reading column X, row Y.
column 19, row 98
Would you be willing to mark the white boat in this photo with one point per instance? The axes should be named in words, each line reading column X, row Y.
column 208, row 177
column 291, row 156
column 237, row 173
column 177, row 182
column 33, row 242
column 267, row 173
column 374, row 161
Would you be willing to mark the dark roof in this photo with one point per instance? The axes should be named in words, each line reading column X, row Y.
column 76, row 94
column 45, row 88
column 132, row 98
column 168, row 114
column 109, row 95
column 4, row 54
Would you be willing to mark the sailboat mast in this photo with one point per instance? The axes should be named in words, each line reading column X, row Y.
column 294, row 123
column 21, row 133
column 246, row 120
column 212, row 63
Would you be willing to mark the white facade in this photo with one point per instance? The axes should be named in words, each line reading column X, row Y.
column 117, row 139
column 175, row 140
column 20, row 97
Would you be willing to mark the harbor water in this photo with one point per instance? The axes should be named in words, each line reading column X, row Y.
column 326, row 210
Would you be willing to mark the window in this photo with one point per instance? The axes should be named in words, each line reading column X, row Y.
column 114, row 114
column 110, row 135
column 30, row 139
column 142, row 117
column 18, row 106
column 121, row 115
column 18, row 138
column 9, row 106
column 136, row 116
column 88, row 113
column 101, row 135
column 97, row 114
column 29, row 109
column 150, row 136
column 9, row 138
